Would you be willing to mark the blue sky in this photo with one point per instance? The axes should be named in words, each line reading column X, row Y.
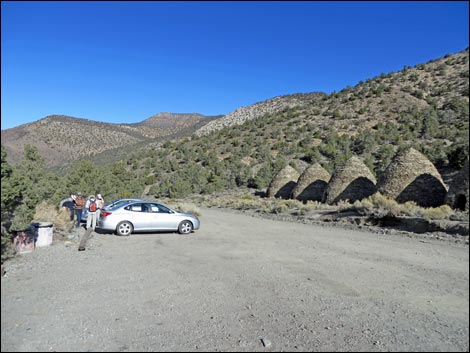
column 125, row 61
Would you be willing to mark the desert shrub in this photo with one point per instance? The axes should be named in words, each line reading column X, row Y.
column 343, row 205
column 45, row 212
column 62, row 223
column 442, row 212
column 377, row 205
column 293, row 203
column 314, row 205
column 410, row 208
column 279, row 208
column 363, row 207
column 245, row 204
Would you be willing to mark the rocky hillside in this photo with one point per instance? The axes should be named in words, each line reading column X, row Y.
column 381, row 99
column 270, row 106
column 63, row 139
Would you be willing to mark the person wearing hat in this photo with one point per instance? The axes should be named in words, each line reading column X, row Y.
column 92, row 207
column 79, row 204
column 100, row 202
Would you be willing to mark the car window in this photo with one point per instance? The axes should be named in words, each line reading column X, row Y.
column 137, row 207
column 155, row 207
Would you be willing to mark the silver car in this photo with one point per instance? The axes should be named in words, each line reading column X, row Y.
column 146, row 216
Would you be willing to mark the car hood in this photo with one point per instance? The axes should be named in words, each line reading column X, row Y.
column 186, row 215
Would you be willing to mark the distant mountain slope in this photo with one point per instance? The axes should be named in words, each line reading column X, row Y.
column 62, row 139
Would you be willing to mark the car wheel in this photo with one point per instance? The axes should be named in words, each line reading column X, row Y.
column 185, row 227
column 124, row 228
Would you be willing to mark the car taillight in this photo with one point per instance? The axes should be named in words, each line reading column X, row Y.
column 105, row 213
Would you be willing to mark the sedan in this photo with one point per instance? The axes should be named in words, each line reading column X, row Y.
column 146, row 216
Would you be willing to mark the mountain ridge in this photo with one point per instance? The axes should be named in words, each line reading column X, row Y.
column 63, row 139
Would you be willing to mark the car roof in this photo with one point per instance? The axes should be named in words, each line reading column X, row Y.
column 134, row 201
column 124, row 199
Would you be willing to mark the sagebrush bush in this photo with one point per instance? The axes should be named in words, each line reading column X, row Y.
column 279, row 208
column 410, row 208
column 45, row 212
column 442, row 212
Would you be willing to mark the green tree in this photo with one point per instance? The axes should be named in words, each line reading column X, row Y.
column 11, row 198
column 36, row 184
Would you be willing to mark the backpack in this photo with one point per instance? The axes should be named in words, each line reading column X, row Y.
column 92, row 207
column 79, row 202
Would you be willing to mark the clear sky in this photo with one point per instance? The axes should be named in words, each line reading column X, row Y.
column 125, row 61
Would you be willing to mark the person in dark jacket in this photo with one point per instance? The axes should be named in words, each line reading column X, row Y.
column 68, row 203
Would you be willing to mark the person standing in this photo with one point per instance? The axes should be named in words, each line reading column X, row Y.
column 100, row 202
column 69, row 204
column 79, row 204
column 92, row 207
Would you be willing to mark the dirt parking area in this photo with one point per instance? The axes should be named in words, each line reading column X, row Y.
column 240, row 284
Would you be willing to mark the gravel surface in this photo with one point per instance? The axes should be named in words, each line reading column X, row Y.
column 240, row 283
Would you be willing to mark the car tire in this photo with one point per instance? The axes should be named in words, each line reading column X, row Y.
column 185, row 227
column 124, row 228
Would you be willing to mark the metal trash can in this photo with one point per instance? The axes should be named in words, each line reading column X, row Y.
column 24, row 240
column 45, row 232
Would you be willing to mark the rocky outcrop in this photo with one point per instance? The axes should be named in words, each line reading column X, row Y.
column 270, row 106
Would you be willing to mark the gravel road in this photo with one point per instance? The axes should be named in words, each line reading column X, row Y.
column 240, row 284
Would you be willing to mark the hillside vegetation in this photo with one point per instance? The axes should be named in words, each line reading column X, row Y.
column 425, row 107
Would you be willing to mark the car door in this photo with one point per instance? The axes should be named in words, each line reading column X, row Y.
column 137, row 215
column 162, row 217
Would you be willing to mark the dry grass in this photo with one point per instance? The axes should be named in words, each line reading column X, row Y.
column 62, row 222
column 45, row 212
